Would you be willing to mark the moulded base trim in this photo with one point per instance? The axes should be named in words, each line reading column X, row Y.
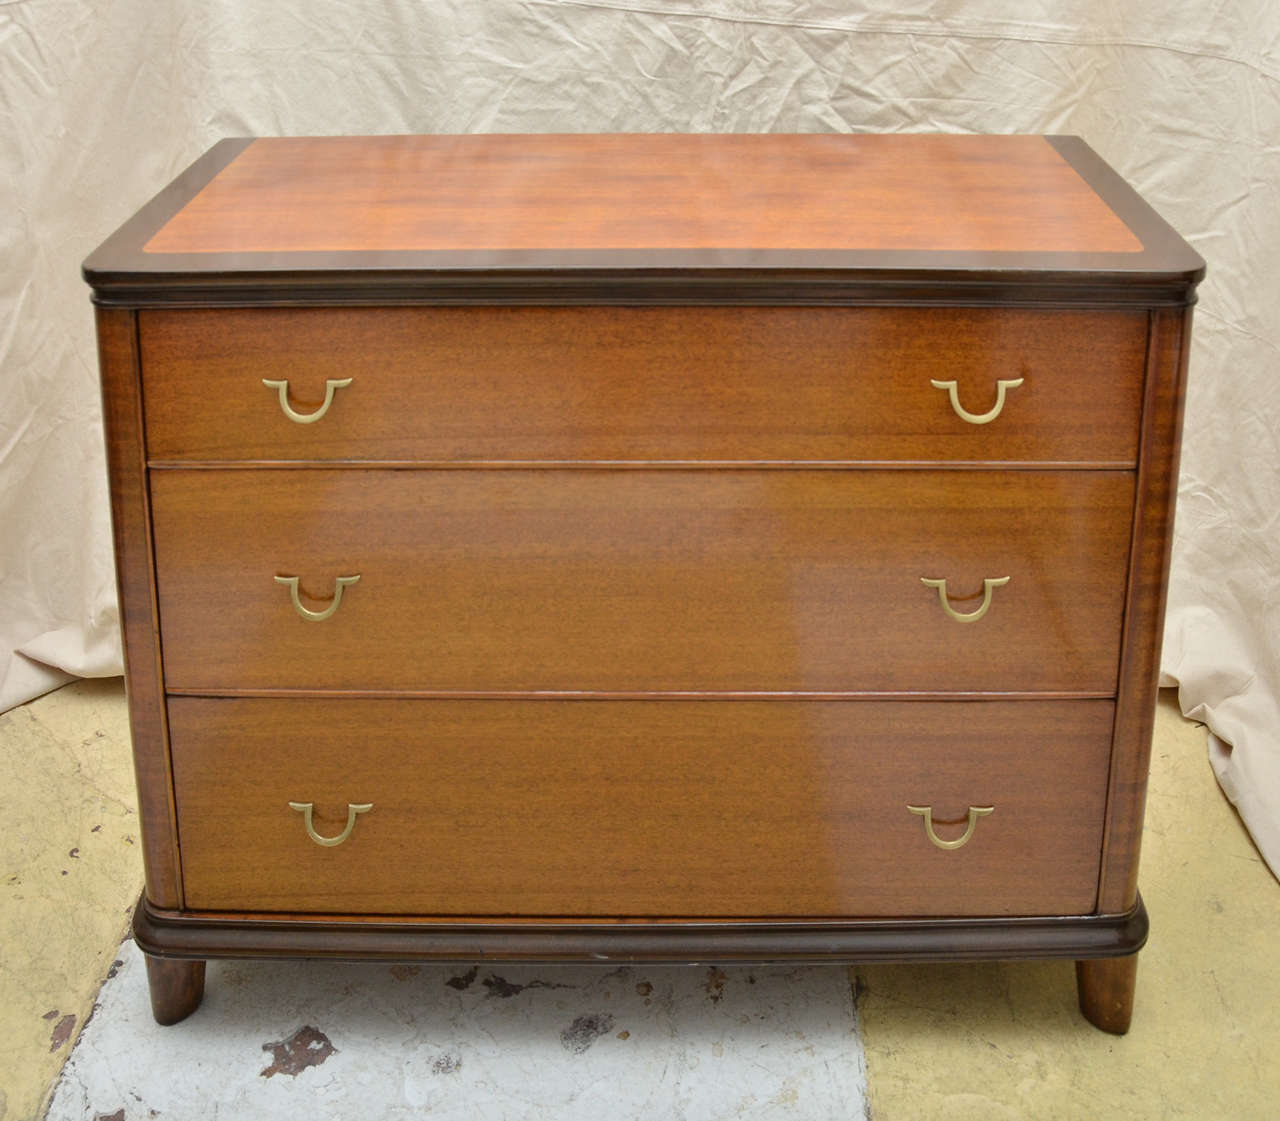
column 189, row 935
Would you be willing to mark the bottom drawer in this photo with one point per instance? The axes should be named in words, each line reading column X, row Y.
column 690, row 808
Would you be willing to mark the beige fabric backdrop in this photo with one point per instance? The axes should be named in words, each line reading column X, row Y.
column 103, row 101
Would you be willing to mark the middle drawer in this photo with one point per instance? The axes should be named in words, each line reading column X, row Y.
column 640, row 581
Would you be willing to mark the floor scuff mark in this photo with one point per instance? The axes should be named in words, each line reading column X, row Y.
column 463, row 981
column 500, row 986
column 584, row 1031
column 404, row 972
column 714, row 984
column 61, row 1032
column 307, row 1047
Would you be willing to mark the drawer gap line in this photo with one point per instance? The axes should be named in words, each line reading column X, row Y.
column 636, row 465
column 654, row 695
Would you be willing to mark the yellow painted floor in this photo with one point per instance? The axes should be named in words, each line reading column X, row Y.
column 984, row 1042
column 71, row 869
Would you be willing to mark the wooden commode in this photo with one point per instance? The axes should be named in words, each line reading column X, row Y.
column 618, row 548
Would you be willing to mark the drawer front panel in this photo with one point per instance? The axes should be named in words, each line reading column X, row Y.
column 629, row 580
column 677, row 808
column 647, row 384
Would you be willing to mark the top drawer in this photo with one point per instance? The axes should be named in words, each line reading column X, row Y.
column 662, row 384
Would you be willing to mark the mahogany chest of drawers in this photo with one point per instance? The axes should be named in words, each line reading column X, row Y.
column 604, row 548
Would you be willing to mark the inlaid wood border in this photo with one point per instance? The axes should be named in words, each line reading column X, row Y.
column 1163, row 274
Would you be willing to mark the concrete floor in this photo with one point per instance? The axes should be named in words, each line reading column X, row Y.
column 488, row 1042
column 965, row 1041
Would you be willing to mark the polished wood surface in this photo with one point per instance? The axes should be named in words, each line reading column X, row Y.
column 1145, row 604
column 177, row 988
column 1105, row 987
column 1162, row 274
column 642, row 580
column 685, row 808
column 640, row 468
column 514, row 192
column 643, row 384
column 135, row 584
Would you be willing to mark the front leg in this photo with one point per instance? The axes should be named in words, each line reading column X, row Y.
column 1105, row 987
column 177, row 987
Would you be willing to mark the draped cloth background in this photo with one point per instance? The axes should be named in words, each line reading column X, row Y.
column 103, row 101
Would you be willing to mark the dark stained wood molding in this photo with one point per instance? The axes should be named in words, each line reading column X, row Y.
column 1159, row 239
column 190, row 935
column 1164, row 274
column 1157, row 494
column 122, row 251
column 634, row 287
column 135, row 583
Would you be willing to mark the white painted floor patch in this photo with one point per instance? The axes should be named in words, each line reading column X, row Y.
column 483, row 1043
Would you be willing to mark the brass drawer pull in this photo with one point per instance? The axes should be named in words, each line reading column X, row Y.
column 331, row 386
column 1003, row 385
column 975, row 812
column 291, row 582
column 960, row 617
column 307, row 808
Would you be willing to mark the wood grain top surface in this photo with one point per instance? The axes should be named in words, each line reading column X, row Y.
column 647, row 219
column 974, row 194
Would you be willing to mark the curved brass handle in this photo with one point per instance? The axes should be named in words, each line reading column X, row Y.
column 307, row 808
column 973, row 616
column 291, row 582
column 331, row 386
column 975, row 812
column 1003, row 385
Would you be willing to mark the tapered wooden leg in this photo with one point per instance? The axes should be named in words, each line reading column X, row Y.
column 177, row 988
column 1105, row 987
